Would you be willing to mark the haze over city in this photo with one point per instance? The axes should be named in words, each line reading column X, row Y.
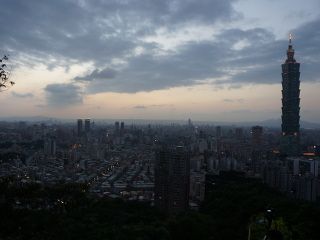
column 207, row 60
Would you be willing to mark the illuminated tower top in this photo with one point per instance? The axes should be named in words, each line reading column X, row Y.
column 290, row 52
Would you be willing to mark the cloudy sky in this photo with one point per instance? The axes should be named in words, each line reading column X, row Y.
column 213, row 60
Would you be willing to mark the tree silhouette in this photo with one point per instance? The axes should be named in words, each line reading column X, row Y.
column 5, row 83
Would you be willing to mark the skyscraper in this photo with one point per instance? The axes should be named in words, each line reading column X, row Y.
column 87, row 125
column 256, row 136
column 239, row 133
column 122, row 128
column 172, row 179
column 50, row 146
column 290, row 144
column 79, row 127
column 218, row 132
column 257, row 147
column 117, row 127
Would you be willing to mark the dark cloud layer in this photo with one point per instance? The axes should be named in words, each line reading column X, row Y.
column 106, row 73
column 22, row 95
column 108, row 32
column 63, row 95
column 257, row 63
column 96, row 30
column 153, row 106
column 151, row 72
column 263, row 61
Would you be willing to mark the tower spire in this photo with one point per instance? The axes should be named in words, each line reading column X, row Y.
column 290, row 51
column 290, row 38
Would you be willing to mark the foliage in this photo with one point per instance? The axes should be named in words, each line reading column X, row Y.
column 5, row 83
column 232, row 201
column 259, row 227
column 67, row 211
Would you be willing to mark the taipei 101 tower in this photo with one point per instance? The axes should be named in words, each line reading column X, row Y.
column 290, row 142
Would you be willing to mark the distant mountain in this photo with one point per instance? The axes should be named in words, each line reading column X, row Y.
column 273, row 123
column 29, row 119
column 277, row 123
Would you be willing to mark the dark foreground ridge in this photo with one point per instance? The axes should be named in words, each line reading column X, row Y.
column 233, row 204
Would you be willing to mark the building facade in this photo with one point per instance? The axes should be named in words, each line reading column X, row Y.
column 257, row 136
column 87, row 125
column 290, row 143
column 79, row 127
column 172, row 179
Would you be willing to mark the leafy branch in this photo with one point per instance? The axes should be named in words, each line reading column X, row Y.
column 5, row 83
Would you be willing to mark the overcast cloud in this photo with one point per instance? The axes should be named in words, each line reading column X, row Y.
column 63, row 95
column 111, row 34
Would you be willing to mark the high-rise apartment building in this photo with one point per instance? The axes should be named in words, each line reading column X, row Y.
column 50, row 146
column 218, row 132
column 87, row 125
column 172, row 179
column 239, row 133
column 290, row 144
column 117, row 127
column 122, row 127
column 256, row 136
column 79, row 127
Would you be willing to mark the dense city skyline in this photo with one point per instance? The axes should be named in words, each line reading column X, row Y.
column 207, row 60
